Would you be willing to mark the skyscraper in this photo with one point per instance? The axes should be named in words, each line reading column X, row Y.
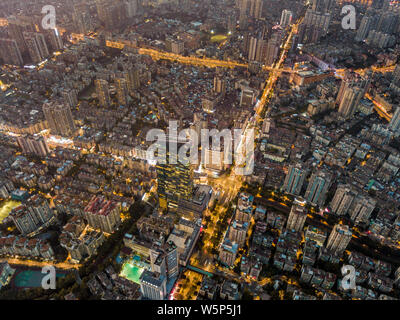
column 314, row 26
column 31, row 215
column 272, row 49
column 396, row 73
column 70, row 97
column 339, row 238
column 101, row 6
column 395, row 121
column 255, row 9
column 132, row 79
column 362, row 208
column 256, row 49
column 59, row 118
column 82, row 18
column 103, row 93
column 153, row 286
column 172, row 259
column 103, row 214
column 294, row 179
column 342, row 199
column 132, row 7
column 122, row 91
column 214, row 159
column 323, row 6
column 350, row 93
column 348, row 105
column 219, row 84
column 297, row 216
column 37, row 46
column 10, row 52
column 54, row 40
column 388, row 22
column 318, row 186
column 174, row 182
column 252, row 8
column 286, row 18
column 237, row 232
column 35, row 145
column 16, row 27
column 367, row 24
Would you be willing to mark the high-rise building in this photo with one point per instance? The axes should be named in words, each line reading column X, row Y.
column 394, row 124
column 247, row 97
column 6, row 188
column 54, row 40
column 157, row 261
column 314, row 234
column 396, row 73
column 350, row 94
column 59, row 119
column 250, row 8
column 272, row 49
column 318, row 186
column 174, row 45
column 367, row 24
column 122, row 91
column 35, row 145
column 70, row 97
column 132, row 79
column 103, row 93
column 132, row 8
column 111, row 14
column 323, row 6
column 314, row 26
column 175, row 181
column 172, row 259
column 37, row 46
column 214, row 159
column 101, row 6
column 32, row 215
column 342, row 199
column 348, row 104
column 219, row 84
column 297, row 216
column 295, row 179
column 82, row 18
column 362, row 208
column 380, row 39
column 228, row 252
column 6, row 274
column 231, row 20
column 16, row 27
column 153, row 286
column 256, row 49
column 237, row 232
column 103, row 214
column 339, row 238
column 10, row 52
column 255, row 9
column 286, row 18
column 388, row 22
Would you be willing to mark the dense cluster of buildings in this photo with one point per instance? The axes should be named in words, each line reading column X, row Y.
column 78, row 103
